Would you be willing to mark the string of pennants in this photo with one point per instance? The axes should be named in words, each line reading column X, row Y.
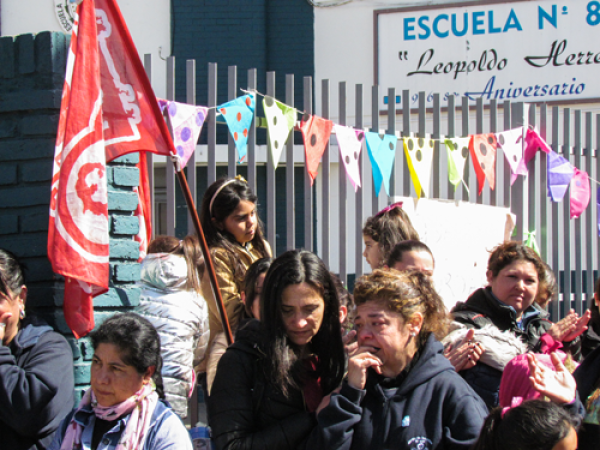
column 519, row 146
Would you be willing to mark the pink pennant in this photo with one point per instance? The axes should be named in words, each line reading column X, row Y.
column 483, row 151
column 315, row 133
column 533, row 143
column 580, row 192
column 350, row 145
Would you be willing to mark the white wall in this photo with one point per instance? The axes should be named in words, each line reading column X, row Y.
column 149, row 22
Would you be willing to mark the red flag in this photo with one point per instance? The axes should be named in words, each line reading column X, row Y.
column 78, row 231
column 144, row 208
column 315, row 132
column 108, row 109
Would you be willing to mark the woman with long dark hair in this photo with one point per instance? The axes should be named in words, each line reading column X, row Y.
column 271, row 381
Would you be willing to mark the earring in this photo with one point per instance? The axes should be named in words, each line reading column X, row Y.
column 413, row 334
column 22, row 314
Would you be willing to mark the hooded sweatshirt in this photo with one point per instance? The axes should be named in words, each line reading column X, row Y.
column 431, row 408
column 180, row 316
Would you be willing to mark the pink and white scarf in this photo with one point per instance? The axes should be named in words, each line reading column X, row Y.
column 141, row 406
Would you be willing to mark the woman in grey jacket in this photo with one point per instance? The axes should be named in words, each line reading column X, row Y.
column 171, row 300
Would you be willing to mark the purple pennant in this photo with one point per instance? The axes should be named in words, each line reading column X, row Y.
column 560, row 173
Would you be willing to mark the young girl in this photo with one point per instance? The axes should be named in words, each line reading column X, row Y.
column 234, row 234
column 533, row 425
column 384, row 230
column 171, row 299
column 253, row 286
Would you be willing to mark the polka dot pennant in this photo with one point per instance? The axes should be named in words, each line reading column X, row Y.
column 483, row 154
column 349, row 145
column 419, row 158
column 580, row 192
column 458, row 152
column 382, row 152
column 238, row 114
column 560, row 172
column 511, row 142
column 186, row 122
column 315, row 133
column 280, row 121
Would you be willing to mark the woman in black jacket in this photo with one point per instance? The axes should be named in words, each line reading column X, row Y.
column 271, row 380
column 36, row 368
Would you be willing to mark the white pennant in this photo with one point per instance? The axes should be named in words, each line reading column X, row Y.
column 350, row 147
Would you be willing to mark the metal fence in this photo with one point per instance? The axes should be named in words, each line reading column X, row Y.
column 569, row 246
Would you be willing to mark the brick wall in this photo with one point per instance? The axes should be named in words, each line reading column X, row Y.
column 31, row 79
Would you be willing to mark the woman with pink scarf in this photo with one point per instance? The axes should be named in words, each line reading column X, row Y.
column 124, row 408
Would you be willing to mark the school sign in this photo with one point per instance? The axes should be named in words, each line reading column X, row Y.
column 533, row 51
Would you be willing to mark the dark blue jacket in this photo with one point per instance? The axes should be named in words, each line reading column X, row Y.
column 36, row 387
column 433, row 408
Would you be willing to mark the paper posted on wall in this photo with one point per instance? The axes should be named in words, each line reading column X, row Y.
column 460, row 236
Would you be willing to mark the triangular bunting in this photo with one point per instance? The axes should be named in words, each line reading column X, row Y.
column 458, row 151
column 186, row 122
column 350, row 145
column 315, row 133
column 531, row 242
column 560, row 172
column 382, row 152
column 511, row 142
column 533, row 143
column 580, row 192
column 280, row 121
column 483, row 152
column 238, row 114
column 419, row 157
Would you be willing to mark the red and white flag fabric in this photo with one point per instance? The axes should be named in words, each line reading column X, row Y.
column 108, row 109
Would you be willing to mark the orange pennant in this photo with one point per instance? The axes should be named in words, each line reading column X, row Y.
column 315, row 133
column 483, row 151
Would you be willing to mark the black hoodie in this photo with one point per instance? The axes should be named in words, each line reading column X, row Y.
column 432, row 408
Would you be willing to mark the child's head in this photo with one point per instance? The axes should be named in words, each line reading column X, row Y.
column 533, row 425
column 229, row 214
column 253, row 286
column 411, row 255
column 384, row 230
column 346, row 302
column 547, row 289
column 188, row 247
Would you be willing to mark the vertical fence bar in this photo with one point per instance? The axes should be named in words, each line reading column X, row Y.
column 290, row 212
column 579, row 230
column 557, row 250
column 533, row 184
column 590, row 223
column 500, row 166
column 326, row 176
column 343, row 187
column 252, row 86
column 391, row 129
column 484, row 198
column 170, row 172
column 375, row 129
column 597, row 166
column 421, row 120
column 506, row 182
column 231, row 94
column 452, row 133
column 360, row 207
column 271, row 206
column 308, row 190
column 470, row 178
column 519, row 188
column 190, row 92
column 150, row 156
column 566, row 217
column 409, row 190
column 440, row 189
column 211, row 151
column 545, row 209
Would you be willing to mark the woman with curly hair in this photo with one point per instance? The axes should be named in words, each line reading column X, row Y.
column 400, row 392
